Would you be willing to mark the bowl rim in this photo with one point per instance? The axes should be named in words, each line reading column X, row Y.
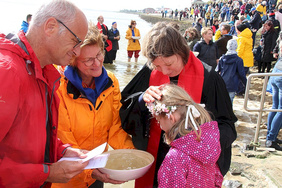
column 129, row 150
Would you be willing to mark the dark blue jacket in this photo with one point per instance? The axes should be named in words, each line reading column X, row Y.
column 208, row 53
column 257, row 53
column 231, row 69
column 256, row 21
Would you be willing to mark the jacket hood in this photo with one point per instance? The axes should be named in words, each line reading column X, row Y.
column 247, row 35
column 207, row 150
column 12, row 43
column 24, row 24
column 228, row 59
column 19, row 46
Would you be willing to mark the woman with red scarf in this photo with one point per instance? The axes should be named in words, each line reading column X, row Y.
column 171, row 61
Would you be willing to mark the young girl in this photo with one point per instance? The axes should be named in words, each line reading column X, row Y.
column 194, row 141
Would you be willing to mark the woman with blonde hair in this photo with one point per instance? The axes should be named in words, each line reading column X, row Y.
column 208, row 50
column 193, row 137
column 89, row 108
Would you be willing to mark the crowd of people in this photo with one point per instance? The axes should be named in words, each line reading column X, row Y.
column 178, row 107
column 240, row 20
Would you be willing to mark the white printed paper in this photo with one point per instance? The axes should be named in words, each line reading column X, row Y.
column 95, row 159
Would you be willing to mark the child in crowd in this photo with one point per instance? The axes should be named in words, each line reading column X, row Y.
column 194, row 141
column 231, row 69
column 257, row 55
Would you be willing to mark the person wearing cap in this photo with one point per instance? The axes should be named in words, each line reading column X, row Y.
column 255, row 23
column 244, row 50
column 114, row 37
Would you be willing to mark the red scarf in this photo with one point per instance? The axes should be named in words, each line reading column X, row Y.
column 191, row 79
column 110, row 45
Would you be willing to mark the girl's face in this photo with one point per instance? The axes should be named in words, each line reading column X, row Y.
column 165, row 123
column 267, row 27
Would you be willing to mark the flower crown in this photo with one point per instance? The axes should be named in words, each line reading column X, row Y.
column 156, row 108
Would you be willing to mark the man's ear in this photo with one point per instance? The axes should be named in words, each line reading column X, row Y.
column 51, row 26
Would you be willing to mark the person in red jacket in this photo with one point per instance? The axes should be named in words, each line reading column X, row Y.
column 29, row 147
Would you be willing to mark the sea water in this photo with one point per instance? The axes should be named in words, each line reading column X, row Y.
column 13, row 12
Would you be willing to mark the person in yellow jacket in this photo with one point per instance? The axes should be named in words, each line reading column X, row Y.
column 192, row 12
column 244, row 50
column 133, row 36
column 217, row 35
column 261, row 8
column 89, row 108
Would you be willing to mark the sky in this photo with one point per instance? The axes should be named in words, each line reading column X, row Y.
column 114, row 5
column 14, row 11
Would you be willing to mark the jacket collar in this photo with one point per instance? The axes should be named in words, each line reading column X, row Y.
column 75, row 87
column 48, row 74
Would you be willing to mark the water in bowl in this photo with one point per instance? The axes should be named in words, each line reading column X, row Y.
column 125, row 161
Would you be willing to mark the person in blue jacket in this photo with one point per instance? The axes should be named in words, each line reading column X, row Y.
column 231, row 69
column 25, row 24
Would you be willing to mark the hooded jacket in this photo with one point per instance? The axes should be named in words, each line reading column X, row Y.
column 27, row 98
column 231, row 69
column 190, row 163
column 245, row 47
column 86, row 125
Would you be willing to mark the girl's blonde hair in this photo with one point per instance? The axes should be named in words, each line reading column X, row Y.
column 93, row 37
column 173, row 95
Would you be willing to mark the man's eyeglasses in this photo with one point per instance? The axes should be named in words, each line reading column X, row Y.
column 88, row 62
column 78, row 39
